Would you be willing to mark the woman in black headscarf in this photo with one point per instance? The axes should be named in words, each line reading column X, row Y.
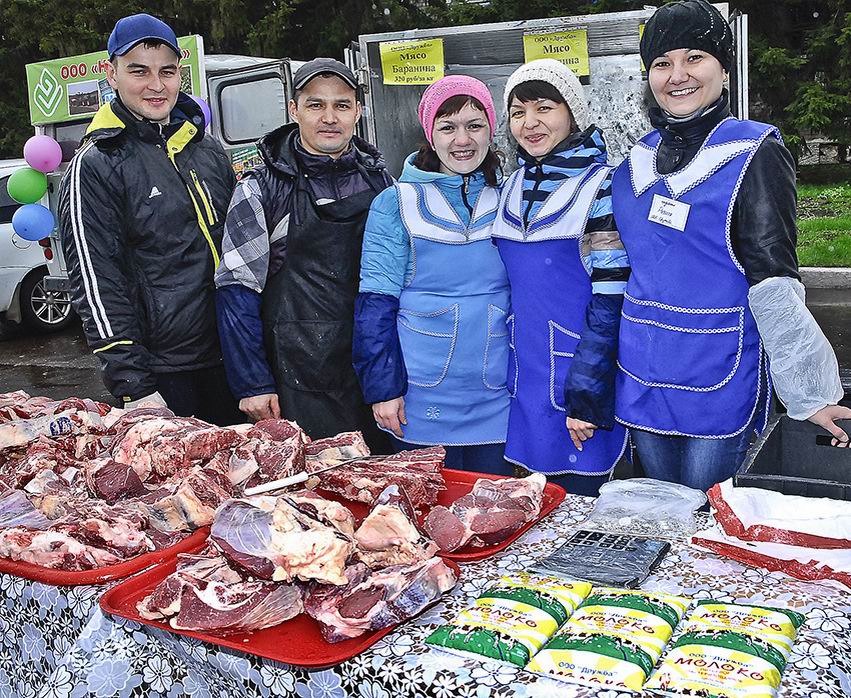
column 706, row 209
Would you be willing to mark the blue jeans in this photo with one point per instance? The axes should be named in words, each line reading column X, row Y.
column 688, row 460
column 585, row 485
column 486, row 458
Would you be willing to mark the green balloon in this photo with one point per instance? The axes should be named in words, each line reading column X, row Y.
column 26, row 186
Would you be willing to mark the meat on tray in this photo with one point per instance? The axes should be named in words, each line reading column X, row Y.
column 204, row 593
column 307, row 546
column 281, row 539
column 490, row 513
column 417, row 472
column 334, row 449
column 389, row 535
column 375, row 599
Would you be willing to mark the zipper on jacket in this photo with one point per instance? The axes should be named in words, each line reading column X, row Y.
column 464, row 188
column 205, row 230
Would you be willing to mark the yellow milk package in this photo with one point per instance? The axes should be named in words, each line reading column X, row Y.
column 513, row 619
column 613, row 640
column 728, row 651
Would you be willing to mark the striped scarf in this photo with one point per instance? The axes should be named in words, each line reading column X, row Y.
column 569, row 158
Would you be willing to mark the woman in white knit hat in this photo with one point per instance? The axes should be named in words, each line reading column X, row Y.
column 567, row 269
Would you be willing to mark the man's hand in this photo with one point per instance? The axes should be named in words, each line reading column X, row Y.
column 826, row 417
column 259, row 407
column 391, row 415
column 580, row 431
column 152, row 400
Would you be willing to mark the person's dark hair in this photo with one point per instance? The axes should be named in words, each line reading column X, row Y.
column 426, row 158
column 532, row 90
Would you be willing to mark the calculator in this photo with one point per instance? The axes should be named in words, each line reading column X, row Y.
column 605, row 558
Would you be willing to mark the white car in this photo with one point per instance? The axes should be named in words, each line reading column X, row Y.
column 23, row 264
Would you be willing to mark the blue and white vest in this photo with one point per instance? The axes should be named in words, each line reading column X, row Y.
column 690, row 356
column 550, row 291
column 452, row 322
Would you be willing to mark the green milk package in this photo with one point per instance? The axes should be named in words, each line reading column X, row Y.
column 728, row 651
column 513, row 619
column 613, row 639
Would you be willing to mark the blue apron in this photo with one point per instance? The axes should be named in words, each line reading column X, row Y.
column 452, row 322
column 690, row 357
column 550, row 291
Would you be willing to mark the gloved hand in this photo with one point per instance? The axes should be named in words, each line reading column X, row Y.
column 152, row 400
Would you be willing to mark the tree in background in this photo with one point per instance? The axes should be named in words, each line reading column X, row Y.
column 800, row 49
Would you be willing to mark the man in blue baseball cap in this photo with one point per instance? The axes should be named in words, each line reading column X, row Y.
column 141, row 211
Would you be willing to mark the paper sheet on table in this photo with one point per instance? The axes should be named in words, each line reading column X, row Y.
column 796, row 561
column 750, row 513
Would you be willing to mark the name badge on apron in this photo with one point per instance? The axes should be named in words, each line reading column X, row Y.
column 669, row 212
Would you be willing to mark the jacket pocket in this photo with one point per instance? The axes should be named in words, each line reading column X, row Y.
column 563, row 343
column 314, row 356
column 495, row 364
column 513, row 373
column 665, row 346
column 428, row 342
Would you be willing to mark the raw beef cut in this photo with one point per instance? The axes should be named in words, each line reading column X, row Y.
column 205, row 594
column 327, row 511
column 417, row 472
column 372, row 600
column 17, row 510
column 257, row 461
column 489, row 514
column 389, row 534
column 345, row 446
column 279, row 539
column 52, row 549
column 110, row 481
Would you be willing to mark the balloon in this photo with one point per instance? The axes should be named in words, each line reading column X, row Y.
column 205, row 108
column 26, row 186
column 33, row 222
column 43, row 153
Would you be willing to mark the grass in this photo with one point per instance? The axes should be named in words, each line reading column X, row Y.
column 824, row 225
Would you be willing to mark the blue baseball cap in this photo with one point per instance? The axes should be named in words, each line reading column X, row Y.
column 135, row 29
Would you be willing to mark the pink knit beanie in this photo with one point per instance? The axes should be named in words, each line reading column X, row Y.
column 452, row 86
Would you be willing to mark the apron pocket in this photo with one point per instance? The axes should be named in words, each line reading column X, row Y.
column 563, row 343
column 314, row 356
column 494, row 371
column 665, row 346
column 428, row 342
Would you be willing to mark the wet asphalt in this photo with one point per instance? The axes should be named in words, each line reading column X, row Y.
column 61, row 365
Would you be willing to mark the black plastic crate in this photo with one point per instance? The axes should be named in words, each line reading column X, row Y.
column 795, row 457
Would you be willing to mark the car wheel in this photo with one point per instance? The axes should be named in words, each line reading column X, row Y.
column 41, row 310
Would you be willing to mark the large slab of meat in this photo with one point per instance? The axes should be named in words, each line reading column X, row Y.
column 417, row 472
column 490, row 513
column 375, row 599
column 204, row 593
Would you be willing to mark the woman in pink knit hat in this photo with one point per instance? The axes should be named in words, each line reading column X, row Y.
column 431, row 342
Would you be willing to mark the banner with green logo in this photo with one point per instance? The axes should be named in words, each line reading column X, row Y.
column 67, row 89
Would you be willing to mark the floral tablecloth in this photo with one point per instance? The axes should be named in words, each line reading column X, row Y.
column 56, row 643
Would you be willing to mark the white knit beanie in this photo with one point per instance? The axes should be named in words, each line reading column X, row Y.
column 559, row 76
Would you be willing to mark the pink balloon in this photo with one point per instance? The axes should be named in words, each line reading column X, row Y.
column 43, row 153
column 205, row 109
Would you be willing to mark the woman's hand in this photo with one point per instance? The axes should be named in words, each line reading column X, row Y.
column 391, row 415
column 580, row 431
column 826, row 417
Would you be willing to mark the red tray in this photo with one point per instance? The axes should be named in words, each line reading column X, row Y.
column 297, row 642
column 459, row 483
column 46, row 575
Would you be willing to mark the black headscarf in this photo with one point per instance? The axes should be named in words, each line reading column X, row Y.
column 692, row 24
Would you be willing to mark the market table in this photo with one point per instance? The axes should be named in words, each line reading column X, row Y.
column 56, row 643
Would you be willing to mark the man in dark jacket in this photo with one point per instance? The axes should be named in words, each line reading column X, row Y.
column 141, row 211
column 291, row 258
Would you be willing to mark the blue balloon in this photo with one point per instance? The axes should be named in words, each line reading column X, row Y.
column 33, row 222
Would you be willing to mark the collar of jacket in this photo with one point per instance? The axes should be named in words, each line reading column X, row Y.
column 587, row 146
column 678, row 133
column 411, row 173
column 114, row 120
column 282, row 154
